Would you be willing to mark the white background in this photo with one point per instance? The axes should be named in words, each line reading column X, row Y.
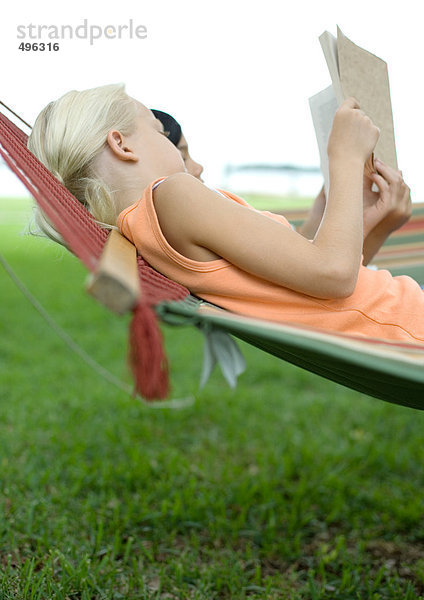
column 236, row 74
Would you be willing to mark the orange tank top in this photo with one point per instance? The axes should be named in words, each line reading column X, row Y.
column 382, row 306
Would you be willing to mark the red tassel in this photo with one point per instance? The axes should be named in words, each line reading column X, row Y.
column 147, row 358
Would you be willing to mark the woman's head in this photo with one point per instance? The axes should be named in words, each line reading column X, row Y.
column 70, row 133
column 176, row 136
column 101, row 143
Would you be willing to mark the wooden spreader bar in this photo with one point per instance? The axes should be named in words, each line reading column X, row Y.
column 116, row 282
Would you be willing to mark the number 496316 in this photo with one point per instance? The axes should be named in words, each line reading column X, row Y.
column 39, row 46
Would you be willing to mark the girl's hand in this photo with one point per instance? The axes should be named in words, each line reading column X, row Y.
column 390, row 207
column 385, row 210
column 353, row 134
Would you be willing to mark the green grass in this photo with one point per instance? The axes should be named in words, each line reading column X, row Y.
column 290, row 487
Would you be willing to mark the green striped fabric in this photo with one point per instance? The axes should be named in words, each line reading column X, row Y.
column 390, row 371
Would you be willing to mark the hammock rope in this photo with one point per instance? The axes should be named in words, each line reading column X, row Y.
column 17, row 116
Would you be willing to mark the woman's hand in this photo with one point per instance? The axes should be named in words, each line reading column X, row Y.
column 385, row 210
column 390, row 207
column 353, row 135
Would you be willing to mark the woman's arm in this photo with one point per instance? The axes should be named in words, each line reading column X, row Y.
column 325, row 268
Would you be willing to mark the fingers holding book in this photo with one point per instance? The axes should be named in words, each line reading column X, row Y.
column 394, row 194
column 353, row 134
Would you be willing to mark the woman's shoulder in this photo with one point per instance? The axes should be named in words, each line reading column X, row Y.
column 182, row 205
column 184, row 186
column 182, row 193
column 176, row 183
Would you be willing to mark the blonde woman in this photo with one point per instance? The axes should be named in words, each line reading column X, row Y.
column 111, row 152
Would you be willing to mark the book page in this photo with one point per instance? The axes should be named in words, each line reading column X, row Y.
column 365, row 76
column 323, row 107
column 329, row 47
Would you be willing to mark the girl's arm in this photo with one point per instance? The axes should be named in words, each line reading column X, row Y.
column 192, row 216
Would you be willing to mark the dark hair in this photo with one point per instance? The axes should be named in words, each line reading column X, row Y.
column 170, row 125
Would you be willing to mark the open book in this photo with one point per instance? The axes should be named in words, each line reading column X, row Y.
column 354, row 72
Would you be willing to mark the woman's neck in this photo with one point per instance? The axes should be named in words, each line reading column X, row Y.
column 125, row 196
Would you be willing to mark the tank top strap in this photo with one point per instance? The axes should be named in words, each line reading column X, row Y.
column 155, row 185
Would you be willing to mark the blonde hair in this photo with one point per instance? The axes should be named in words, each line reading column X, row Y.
column 68, row 135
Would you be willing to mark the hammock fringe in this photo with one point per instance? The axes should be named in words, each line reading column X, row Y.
column 146, row 355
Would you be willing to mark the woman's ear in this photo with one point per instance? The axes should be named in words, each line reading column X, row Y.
column 117, row 143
